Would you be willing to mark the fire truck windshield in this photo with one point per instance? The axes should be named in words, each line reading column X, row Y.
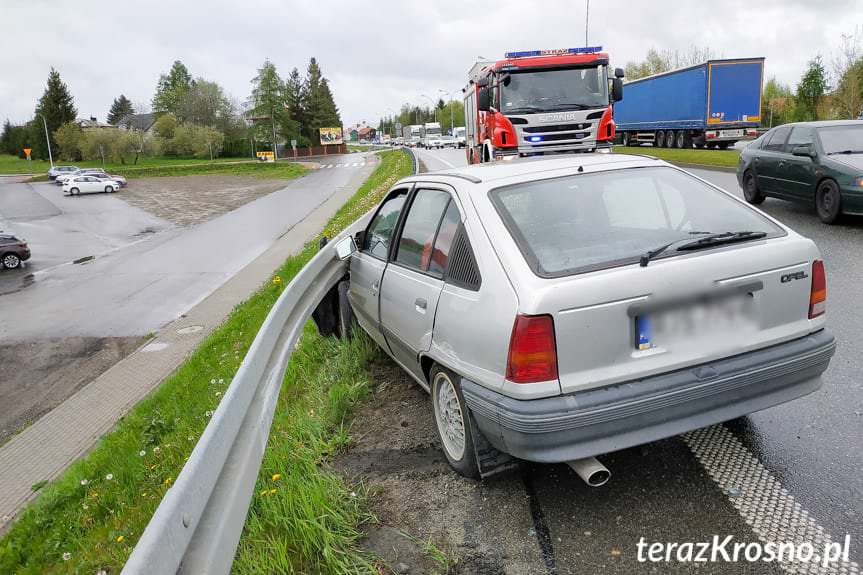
column 553, row 90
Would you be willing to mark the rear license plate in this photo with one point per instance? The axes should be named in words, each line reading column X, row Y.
column 731, row 133
column 719, row 319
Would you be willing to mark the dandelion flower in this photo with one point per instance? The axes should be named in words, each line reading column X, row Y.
column 152, row 467
column 272, row 491
column 277, row 476
column 221, row 380
column 120, row 538
column 353, row 493
column 94, row 495
column 277, row 280
column 67, row 556
column 157, row 449
column 212, row 382
column 142, row 453
column 143, row 494
column 190, row 438
column 109, row 477
column 218, row 393
column 84, row 482
column 168, row 482
column 84, row 506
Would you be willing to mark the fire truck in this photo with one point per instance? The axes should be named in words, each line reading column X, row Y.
column 540, row 102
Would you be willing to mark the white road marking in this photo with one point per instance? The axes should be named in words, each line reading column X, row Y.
column 338, row 165
column 761, row 500
column 356, row 164
column 439, row 159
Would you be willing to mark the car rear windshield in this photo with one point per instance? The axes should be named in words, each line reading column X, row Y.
column 593, row 221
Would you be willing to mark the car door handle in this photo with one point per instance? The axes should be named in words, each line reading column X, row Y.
column 421, row 305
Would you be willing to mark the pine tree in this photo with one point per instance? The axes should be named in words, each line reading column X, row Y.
column 318, row 102
column 294, row 102
column 172, row 89
column 121, row 108
column 268, row 103
column 57, row 107
column 6, row 138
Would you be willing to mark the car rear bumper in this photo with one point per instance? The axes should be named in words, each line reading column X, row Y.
column 632, row 413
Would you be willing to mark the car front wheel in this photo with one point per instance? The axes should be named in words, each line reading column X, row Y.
column 828, row 202
column 11, row 261
column 750, row 188
column 73, row 192
column 108, row 189
column 452, row 420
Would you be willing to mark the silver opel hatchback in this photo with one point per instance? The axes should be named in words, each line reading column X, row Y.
column 558, row 309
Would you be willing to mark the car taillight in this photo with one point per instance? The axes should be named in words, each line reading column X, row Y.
column 818, row 295
column 532, row 353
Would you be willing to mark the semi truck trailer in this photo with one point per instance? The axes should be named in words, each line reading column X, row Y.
column 712, row 104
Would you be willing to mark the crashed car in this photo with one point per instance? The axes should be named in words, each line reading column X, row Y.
column 560, row 309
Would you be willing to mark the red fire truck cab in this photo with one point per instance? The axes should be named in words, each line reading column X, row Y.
column 540, row 102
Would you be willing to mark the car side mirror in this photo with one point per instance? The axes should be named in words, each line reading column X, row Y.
column 616, row 89
column 618, row 72
column 804, row 150
column 483, row 100
column 360, row 239
column 345, row 247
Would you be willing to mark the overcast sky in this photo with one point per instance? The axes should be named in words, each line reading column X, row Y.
column 377, row 54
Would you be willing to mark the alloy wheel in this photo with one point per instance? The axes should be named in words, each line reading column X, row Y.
column 450, row 418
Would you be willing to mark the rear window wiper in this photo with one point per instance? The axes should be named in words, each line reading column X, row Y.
column 708, row 241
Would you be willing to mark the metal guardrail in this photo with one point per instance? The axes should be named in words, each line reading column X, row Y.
column 197, row 526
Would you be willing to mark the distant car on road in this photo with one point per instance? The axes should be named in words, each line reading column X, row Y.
column 814, row 163
column 81, row 172
column 460, row 138
column 13, row 251
column 558, row 309
column 89, row 184
column 447, row 142
column 56, row 171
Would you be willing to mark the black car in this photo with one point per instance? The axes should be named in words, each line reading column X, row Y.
column 816, row 163
column 13, row 251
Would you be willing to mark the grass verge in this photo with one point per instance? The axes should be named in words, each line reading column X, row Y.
column 277, row 170
column 90, row 518
column 720, row 158
column 10, row 164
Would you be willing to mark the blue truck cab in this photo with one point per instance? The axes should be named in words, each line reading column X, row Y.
column 712, row 104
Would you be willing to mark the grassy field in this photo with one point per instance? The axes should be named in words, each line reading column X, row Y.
column 14, row 165
column 720, row 158
column 303, row 518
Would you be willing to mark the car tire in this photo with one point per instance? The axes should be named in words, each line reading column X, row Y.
column 684, row 140
column 751, row 193
column 74, row 191
column 346, row 312
column 671, row 139
column 828, row 202
column 452, row 421
column 723, row 145
column 659, row 140
column 624, row 139
column 108, row 189
column 10, row 261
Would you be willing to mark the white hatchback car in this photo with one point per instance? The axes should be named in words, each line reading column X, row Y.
column 89, row 184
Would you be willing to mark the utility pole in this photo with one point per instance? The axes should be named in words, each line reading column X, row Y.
column 47, row 139
column 273, row 121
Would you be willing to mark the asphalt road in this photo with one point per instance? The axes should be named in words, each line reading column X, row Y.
column 739, row 479
column 146, row 272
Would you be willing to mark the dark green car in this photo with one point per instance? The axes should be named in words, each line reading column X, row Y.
column 818, row 163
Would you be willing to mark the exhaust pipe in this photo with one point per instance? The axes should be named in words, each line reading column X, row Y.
column 591, row 471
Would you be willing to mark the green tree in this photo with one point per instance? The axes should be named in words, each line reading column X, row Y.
column 57, row 107
column 165, row 126
column 121, row 108
column 268, row 101
column 172, row 89
column 811, row 90
column 14, row 139
column 206, row 104
column 656, row 61
column 319, row 106
column 296, row 113
column 777, row 104
column 847, row 98
column 6, row 146
column 70, row 138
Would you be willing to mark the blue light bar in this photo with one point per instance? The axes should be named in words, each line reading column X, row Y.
column 534, row 139
column 560, row 52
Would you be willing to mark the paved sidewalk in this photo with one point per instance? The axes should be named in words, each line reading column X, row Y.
column 46, row 448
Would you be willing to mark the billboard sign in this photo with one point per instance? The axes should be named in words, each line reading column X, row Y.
column 331, row 136
column 266, row 156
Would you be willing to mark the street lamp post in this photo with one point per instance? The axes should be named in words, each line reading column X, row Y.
column 449, row 104
column 47, row 139
column 434, row 108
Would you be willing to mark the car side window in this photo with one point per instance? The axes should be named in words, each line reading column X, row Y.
column 421, row 225
column 443, row 241
column 777, row 140
column 800, row 136
column 380, row 231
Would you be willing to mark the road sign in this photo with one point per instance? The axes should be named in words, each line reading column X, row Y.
column 294, row 144
column 398, row 126
column 266, row 156
column 27, row 151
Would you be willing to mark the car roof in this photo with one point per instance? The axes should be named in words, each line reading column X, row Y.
column 825, row 123
column 539, row 167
